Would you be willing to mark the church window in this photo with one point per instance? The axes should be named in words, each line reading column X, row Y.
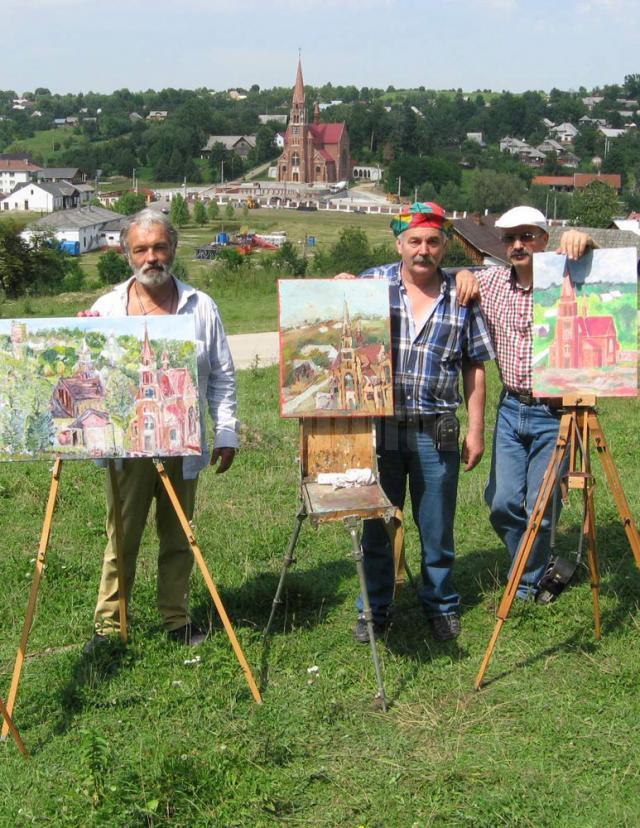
column 295, row 159
column 149, row 423
column 149, row 392
column 318, row 170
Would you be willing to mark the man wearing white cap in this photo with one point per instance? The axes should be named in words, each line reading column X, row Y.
column 526, row 426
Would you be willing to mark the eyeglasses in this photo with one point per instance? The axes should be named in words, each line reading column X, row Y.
column 525, row 238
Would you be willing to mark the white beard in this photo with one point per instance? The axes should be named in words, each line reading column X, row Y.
column 153, row 277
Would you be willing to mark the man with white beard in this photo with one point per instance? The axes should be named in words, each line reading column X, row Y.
column 149, row 241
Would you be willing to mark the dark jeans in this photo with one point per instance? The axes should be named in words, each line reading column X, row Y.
column 523, row 443
column 407, row 451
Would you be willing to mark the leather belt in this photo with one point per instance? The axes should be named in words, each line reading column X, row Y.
column 526, row 398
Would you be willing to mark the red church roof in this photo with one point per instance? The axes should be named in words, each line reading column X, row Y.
column 327, row 133
column 599, row 325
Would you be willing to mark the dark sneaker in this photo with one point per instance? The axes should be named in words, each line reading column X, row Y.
column 445, row 627
column 361, row 630
column 190, row 635
column 96, row 643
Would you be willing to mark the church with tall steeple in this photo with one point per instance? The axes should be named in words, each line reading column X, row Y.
column 314, row 153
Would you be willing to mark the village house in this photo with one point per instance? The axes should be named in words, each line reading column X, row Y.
column 14, row 173
column 86, row 227
column 240, row 144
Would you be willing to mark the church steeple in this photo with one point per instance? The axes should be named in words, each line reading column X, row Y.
column 298, row 90
column 298, row 108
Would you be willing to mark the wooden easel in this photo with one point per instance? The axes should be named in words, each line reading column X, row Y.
column 335, row 444
column 7, row 711
column 578, row 427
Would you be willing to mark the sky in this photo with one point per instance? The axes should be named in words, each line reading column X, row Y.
column 83, row 45
column 617, row 265
column 302, row 300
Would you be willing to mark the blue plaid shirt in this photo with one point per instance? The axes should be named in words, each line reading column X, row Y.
column 427, row 362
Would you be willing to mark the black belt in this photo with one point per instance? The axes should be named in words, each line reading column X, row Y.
column 421, row 422
column 526, row 398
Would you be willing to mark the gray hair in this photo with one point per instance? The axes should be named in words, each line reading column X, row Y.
column 145, row 218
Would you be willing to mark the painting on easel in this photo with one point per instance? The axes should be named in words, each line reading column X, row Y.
column 95, row 387
column 335, row 348
column 585, row 329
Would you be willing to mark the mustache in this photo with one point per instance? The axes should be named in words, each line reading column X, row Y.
column 153, row 275
column 424, row 260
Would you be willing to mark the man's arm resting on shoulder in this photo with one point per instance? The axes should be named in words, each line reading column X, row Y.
column 474, row 388
column 467, row 287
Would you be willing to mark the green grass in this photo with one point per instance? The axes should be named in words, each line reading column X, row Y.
column 42, row 142
column 136, row 737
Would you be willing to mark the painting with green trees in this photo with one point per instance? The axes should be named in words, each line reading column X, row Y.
column 95, row 387
column 585, row 326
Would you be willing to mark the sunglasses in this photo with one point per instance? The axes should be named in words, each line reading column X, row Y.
column 525, row 238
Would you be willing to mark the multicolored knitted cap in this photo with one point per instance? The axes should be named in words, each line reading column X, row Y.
column 421, row 214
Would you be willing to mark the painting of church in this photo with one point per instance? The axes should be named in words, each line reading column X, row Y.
column 92, row 387
column 335, row 348
column 316, row 152
column 585, row 329
column 166, row 407
column 361, row 374
column 581, row 341
column 83, row 390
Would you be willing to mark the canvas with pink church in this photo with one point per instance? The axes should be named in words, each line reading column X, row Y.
column 94, row 387
column 585, row 324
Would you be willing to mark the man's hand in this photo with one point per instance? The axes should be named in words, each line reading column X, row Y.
column 225, row 456
column 467, row 287
column 472, row 450
column 88, row 313
column 345, row 276
column 575, row 243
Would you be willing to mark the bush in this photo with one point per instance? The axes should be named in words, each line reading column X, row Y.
column 113, row 268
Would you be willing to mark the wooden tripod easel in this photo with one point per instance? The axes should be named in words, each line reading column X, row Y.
column 335, row 444
column 7, row 711
column 578, row 427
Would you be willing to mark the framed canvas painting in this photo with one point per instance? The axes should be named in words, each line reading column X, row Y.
column 335, row 348
column 585, row 324
column 98, row 388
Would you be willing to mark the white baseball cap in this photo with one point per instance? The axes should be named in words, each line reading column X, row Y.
column 522, row 217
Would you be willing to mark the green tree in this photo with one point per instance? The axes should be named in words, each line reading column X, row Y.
column 129, row 203
column 495, row 191
column 120, row 394
column 179, row 211
column 595, row 206
column 112, row 268
column 213, row 210
column 289, row 261
column 40, row 430
column 229, row 211
column 199, row 213
column 351, row 253
column 14, row 260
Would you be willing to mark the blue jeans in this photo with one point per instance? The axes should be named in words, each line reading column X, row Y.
column 406, row 451
column 523, row 443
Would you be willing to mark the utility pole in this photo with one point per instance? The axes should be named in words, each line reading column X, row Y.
column 399, row 185
column 222, row 171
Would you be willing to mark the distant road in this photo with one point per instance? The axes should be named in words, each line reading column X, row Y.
column 247, row 348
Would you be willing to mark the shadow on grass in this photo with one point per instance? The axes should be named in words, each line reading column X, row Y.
column 90, row 674
column 619, row 577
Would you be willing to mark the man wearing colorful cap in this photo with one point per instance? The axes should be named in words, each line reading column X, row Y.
column 526, row 428
column 433, row 340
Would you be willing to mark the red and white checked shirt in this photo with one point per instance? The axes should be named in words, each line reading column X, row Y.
column 508, row 310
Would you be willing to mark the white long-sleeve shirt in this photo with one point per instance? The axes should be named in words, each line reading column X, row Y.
column 216, row 374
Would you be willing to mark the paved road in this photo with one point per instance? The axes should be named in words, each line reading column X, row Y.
column 246, row 348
